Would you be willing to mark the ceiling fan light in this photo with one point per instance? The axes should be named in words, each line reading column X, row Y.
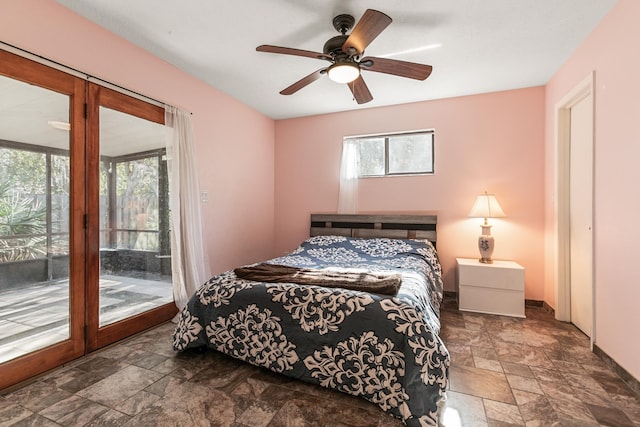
column 343, row 72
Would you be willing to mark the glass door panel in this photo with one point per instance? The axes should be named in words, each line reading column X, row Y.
column 128, row 226
column 135, row 267
column 41, row 218
column 34, row 218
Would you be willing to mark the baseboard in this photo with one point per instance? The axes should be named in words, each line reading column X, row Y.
column 450, row 295
column 546, row 307
column 629, row 379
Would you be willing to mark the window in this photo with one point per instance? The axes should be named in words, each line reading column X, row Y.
column 395, row 154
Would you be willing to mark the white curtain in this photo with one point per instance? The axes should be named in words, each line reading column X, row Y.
column 348, row 198
column 189, row 261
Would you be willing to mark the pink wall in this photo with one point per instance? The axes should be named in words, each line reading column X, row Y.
column 612, row 51
column 492, row 142
column 235, row 143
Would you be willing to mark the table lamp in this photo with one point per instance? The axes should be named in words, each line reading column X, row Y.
column 486, row 206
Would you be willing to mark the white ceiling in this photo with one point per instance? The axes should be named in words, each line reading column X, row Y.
column 486, row 45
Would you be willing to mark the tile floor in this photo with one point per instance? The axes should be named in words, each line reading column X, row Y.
column 505, row 372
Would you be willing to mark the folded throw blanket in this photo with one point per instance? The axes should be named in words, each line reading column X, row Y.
column 377, row 283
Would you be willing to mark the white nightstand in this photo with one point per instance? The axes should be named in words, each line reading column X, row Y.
column 496, row 288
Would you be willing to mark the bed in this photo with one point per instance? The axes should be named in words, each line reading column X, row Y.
column 350, row 335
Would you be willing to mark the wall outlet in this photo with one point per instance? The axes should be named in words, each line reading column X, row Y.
column 204, row 196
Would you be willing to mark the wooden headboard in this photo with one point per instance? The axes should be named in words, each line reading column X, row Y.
column 390, row 226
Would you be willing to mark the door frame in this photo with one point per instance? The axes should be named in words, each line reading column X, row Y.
column 563, row 186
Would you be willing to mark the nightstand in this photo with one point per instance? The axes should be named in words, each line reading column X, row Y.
column 496, row 288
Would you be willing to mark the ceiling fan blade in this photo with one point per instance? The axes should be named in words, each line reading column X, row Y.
column 303, row 82
column 360, row 90
column 291, row 51
column 411, row 70
column 366, row 30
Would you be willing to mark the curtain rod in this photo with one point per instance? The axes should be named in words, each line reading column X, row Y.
column 81, row 74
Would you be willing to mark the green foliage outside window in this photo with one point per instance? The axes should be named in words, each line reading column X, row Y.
column 24, row 211
column 23, row 216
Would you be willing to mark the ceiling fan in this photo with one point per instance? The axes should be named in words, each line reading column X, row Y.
column 345, row 54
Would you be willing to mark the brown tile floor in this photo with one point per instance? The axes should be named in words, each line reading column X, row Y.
column 505, row 371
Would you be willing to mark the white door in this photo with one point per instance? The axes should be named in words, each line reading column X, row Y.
column 581, row 214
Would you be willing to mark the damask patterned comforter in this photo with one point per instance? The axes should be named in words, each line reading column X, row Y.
column 380, row 347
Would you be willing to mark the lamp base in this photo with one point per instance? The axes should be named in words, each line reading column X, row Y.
column 486, row 245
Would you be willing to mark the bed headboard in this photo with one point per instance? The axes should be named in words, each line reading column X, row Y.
column 391, row 226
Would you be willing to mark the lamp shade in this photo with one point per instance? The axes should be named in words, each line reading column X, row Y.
column 486, row 206
column 343, row 72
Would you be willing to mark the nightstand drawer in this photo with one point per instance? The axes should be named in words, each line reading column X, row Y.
column 500, row 274
column 491, row 301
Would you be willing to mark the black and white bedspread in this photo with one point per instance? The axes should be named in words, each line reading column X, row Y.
column 381, row 347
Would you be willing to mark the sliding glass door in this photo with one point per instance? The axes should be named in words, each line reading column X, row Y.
column 85, row 255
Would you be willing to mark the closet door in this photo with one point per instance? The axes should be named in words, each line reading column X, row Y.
column 42, row 210
column 129, row 284
column 581, row 214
